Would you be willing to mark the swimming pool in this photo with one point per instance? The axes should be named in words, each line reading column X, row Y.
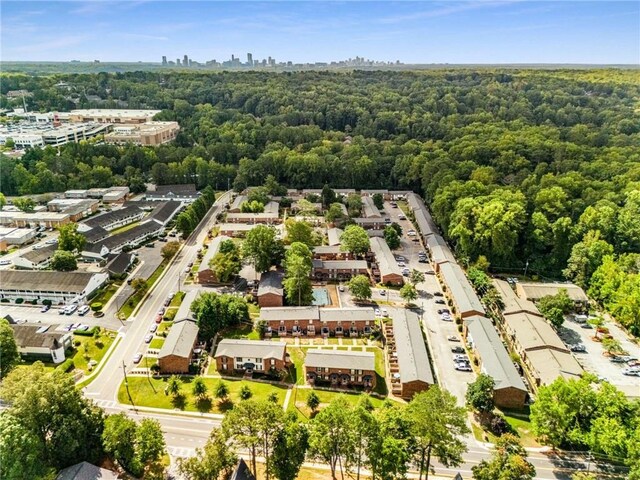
column 321, row 296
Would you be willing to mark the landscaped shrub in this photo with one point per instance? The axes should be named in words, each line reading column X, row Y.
column 19, row 300
column 96, row 306
column 34, row 301
column 67, row 365
column 87, row 333
column 46, row 301
column 5, row 300
column 77, row 343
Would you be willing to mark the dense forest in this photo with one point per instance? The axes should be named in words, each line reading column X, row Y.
column 537, row 168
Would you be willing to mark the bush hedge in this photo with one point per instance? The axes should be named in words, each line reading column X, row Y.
column 96, row 306
column 19, row 300
column 67, row 365
column 46, row 301
column 87, row 333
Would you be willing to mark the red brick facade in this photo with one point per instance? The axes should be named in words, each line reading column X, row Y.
column 227, row 365
column 311, row 328
column 340, row 377
column 174, row 364
column 270, row 300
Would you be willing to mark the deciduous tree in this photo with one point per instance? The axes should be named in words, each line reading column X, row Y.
column 63, row 261
column 355, row 240
column 360, row 287
column 263, row 248
column 8, row 349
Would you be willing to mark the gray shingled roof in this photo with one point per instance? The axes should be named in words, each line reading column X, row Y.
column 165, row 211
column 86, row 471
column 290, row 313
column 250, row 348
column 116, row 241
column 95, row 234
column 413, row 359
column 341, row 264
column 346, row 314
column 512, row 302
column 440, row 251
column 460, row 288
column 181, row 338
column 40, row 255
column 496, row 361
column 386, row 261
column 73, row 282
column 334, row 235
column 112, row 216
column 242, row 472
column 214, row 246
column 423, row 218
column 270, row 282
column 32, row 336
column 185, row 307
column 179, row 189
column 369, row 208
column 340, row 359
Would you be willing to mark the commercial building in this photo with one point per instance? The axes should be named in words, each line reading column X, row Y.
column 270, row 292
column 57, row 136
column 150, row 133
column 16, row 236
column 459, row 291
column 409, row 365
column 36, row 259
column 482, row 337
column 115, row 195
column 312, row 320
column 104, row 115
column 341, row 369
column 42, row 341
column 340, row 270
column 177, row 350
column 386, row 270
column 239, row 356
column 35, row 219
column 58, row 287
column 206, row 275
column 77, row 209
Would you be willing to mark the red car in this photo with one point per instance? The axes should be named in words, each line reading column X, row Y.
column 158, row 318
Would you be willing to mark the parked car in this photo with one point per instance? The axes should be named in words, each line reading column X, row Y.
column 148, row 338
column 631, row 371
column 137, row 357
column 383, row 292
column 446, row 318
column 341, row 288
column 83, row 310
column 438, row 294
column 5, row 262
column 45, row 308
column 71, row 309
column 158, row 318
column 161, row 311
column 402, row 217
column 422, row 260
column 618, row 360
column 453, row 338
column 463, row 367
column 402, row 264
column 153, row 328
column 460, row 358
column 578, row 348
column 441, row 302
column 406, row 272
column 586, row 326
column 457, row 349
column 400, row 258
column 628, row 358
column 394, row 204
column 62, row 310
column 377, row 313
column 411, row 233
column 385, row 313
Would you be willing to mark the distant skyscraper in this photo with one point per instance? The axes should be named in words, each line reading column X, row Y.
column 177, row 61
column 164, row 60
column 185, row 61
column 250, row 59
column 233, row 57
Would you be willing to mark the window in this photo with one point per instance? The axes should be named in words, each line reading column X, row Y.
column 239, row 359
column 273, row 361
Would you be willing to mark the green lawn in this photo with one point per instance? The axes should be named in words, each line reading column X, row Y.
column 106, row 293
column 149, row 392
column 156, row 343
column 177, row 299
column 524, row 430
column 254, row 311
column 124, row 228
column 164, row 326
column 244, row 330
column 95, row 350
column 342, row 348
column 132, row 302
column 296, row 374
column 298, row 400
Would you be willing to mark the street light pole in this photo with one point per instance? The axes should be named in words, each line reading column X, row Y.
column 526, row 267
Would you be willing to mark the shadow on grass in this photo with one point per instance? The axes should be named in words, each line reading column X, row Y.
column 225, row 405
column 203, row 404
column 179, row 401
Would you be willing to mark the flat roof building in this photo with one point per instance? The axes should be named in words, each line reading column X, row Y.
column 148, row 134
column 106, row 115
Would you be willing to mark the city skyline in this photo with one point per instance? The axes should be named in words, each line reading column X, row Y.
column 308, row 32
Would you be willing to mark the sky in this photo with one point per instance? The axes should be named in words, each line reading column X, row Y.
column 475, row 31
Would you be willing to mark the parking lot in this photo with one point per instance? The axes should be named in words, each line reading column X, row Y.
column 6, row 261
column 594, row 360
column 33, row 314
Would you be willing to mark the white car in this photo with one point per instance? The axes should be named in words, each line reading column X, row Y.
column 137, row 357
column 463, row 367
column 400, row 258
column 71, row 309
column 402, row 264
column 385, row 313
column 148, row 338
column 411, row 233
column 5, row 262
column 631, row 371
column 376, row 312
column 83, row 310
column 153, row 328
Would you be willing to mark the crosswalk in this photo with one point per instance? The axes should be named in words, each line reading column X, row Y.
column 181, row 452
column 106, row 403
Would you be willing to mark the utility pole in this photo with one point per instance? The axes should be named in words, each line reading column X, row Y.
column 526, row 267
